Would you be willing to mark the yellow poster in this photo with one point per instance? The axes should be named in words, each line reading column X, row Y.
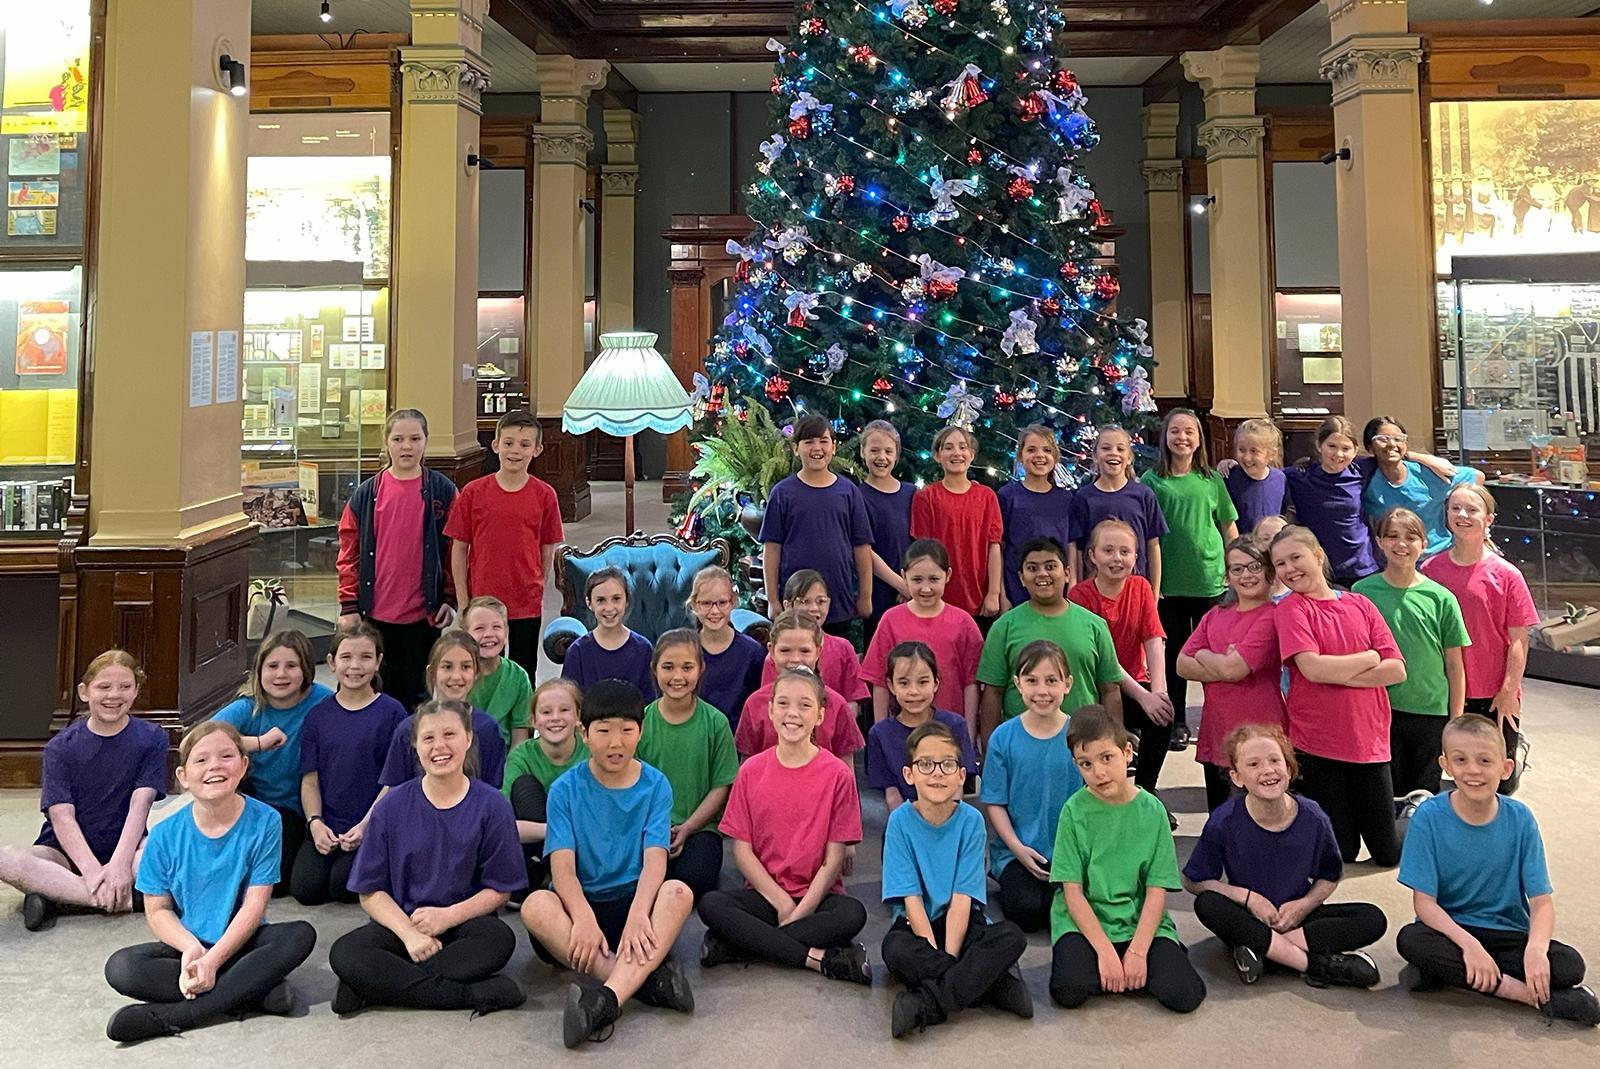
column 24, row 422
column 47, row 69
column 61, row 427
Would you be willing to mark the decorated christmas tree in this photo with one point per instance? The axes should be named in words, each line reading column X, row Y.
column 925, row 249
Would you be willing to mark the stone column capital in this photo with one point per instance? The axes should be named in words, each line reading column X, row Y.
column 442, row 74
column 1227, row 77
column 1160, row 127
column 619, row 180
column 565, row 83
column 566, row 143
column 1231, row 138
column 1372, row 63
column 622, row 136
column 1163, row 176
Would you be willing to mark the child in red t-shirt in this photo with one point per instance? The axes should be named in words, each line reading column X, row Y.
column 1341, row 656
column 950, row 632
column 1127, row 604
column 504, row 529
column 965, row 516
column 793, row 815
column 796, row 642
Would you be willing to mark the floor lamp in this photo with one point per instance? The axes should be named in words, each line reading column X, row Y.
column 629, row 388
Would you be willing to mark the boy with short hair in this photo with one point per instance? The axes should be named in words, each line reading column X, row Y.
column 613, row 914
column 503, row 689
column 815, row 519
column 1474, row 861
column 504, row 529
column 1115, row 860
column 940, row 945
column 1084, row 637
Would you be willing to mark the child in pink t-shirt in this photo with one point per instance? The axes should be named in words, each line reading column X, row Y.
column 840, row 669
column 796, row 642
column 1497, row 608
column 793, row 815
column 1234, row 652
column 1341, row 656
column 965, row 517
column 950, row 632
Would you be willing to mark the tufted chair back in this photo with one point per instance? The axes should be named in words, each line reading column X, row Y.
column 660, row 571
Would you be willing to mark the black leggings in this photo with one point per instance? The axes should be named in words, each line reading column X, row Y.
column 1170, row 979
column 1219, row 786
column 1153, row 741
column 320, row 878
column 1180, row 615
column 1024, row 900
column 1440, row 961
column 405, row 660
column 946, row 983
column 1414, row 748
column 1513, row 737
column 1359, row 801
column 149, row 973
column 522, row 643
column 528, row 800
column 294, row 836
column 1329, row 929
column 700, row 863
column 748, row 921
column 373, row 962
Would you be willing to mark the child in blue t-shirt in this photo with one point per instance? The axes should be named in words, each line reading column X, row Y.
column 1028, row 775
column 815, row 519
column 207, row 874
column 611, row 650
column 941, row 946
column 612, row 914
column 1475, row 864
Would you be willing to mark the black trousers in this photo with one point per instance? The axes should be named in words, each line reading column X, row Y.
column 946, row 983
column 699, row 864
column 522, row 643
column 1024, row 900
column 373, row 962
column 405, row 660
column 318, row 879
column 1153, row 740
column 528, row 802
column 1359, row 801
column 1331, row 928
column 1414, row 748
column 748, row 921
column 294, row 836
column 1441, row 961
column 1219, row 786
column 149, row 973
column 1180, row 615
column 1513, row 737
column 1170, row 979
column 841, row 628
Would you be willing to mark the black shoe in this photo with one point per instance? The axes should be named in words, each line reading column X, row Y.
column 1010, row 993
column 715, row 950
column 1414, row 979
column 1249, row 964
column 279, row 1002
column 1172, row 821
column 667, row 988
column 909, row 1014
column 1180, row 738
column 38, row 912
column 847, row 963
column 498, row 992
column 1575, row 1004
column 138, row 1022
column 346, row 1001
column 590, row 1013
column 1354, row 969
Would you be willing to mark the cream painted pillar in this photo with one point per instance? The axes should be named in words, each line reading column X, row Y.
column 442, row 78
column 1241, row 307
column 164, row 464
column 1169, row 279
column 619, row 179
column 1385, row 255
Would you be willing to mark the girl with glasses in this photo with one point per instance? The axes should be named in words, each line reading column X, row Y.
column 732, row 659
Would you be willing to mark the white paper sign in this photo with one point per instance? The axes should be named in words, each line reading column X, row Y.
column 227, row 366
column 310, row 389
column 202, row 343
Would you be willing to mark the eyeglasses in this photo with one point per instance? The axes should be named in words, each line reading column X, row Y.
column 1255, row 567
column 1391, row 439
column 723, row 604
column 926, row 765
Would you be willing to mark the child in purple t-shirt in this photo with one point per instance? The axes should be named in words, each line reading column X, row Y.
column 815, row 519
column 1281, row 862
column 1115, row 495
column 1033, row 508
column 1327, row 499
column 732, row 660
column 611, row 650
column 888, row 503
column 913, row 678
column 1257, row 485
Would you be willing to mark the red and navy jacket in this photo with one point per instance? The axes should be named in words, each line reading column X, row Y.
column 358, row 545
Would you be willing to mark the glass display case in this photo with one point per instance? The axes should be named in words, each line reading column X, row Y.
column 41, row 313
column 502, row 372
column 1309, row 351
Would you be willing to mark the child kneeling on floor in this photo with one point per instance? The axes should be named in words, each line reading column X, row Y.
column 1281, row 862
column 941, row 946
column 1116, row 861
column 612, row 915
column 1475, row 864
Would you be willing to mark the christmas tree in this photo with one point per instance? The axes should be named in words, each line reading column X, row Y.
column 925, row 251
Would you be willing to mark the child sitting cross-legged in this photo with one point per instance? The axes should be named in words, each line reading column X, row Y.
column 913, row 676
column 1115, row 860
column 612, row 915
column 1281, row 862
column 1485, row 913
column 941, row 946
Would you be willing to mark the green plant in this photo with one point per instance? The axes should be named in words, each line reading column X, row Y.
column 746, row 458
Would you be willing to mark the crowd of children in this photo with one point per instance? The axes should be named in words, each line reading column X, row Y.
column 1029, row 649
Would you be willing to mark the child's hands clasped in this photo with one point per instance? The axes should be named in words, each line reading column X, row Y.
column 350, row 841
column 322, row 838
column 638, row 938
column 587, row 944
column 431, row 920
column 1291, row 915
column 1135, row 969
column 1482, row 973
column 421, row 946
column 1263, row 910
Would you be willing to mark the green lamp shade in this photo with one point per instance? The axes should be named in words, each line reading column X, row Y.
column 629, row 388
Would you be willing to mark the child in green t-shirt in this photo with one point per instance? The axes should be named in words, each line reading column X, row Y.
column 503, row 689
column 532, row 766
column 689, row 742
column 1115, row 860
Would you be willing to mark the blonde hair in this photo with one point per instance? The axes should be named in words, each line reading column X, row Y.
column 484, row 601
column 558, row 683
column 1265, row 431
column 711, row 573
column 1111, row 523
column 202, row 730
column 1039, row 430
column 1303, row 535
column 879, row 426
column 1477, row 727
column 796, row 620
column 1480, row 492
column 109, row 658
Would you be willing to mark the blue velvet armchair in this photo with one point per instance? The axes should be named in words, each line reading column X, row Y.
column 660, row 570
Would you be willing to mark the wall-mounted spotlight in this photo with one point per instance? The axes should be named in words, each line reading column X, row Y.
column 233, row 75
column 327, row 15
column 1341, row 153
column 481, row 162
column 1202, row 205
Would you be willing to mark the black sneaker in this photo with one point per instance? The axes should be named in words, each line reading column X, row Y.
column 279, row 1002
column 1172, row 821
column 1249, row 964
column 346, row 1001
column 1010, row 993
column 1575, row 1004
column 498, row 992
column 139, row 1022
column 847, row 963
column 1341, row 970
column 590, row 1013
column 1180, row 738
column 667, row 988
column 909, row 1014
column 38, row 912
column 715, row 950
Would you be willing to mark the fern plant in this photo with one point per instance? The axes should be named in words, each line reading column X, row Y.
column 746, row 459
